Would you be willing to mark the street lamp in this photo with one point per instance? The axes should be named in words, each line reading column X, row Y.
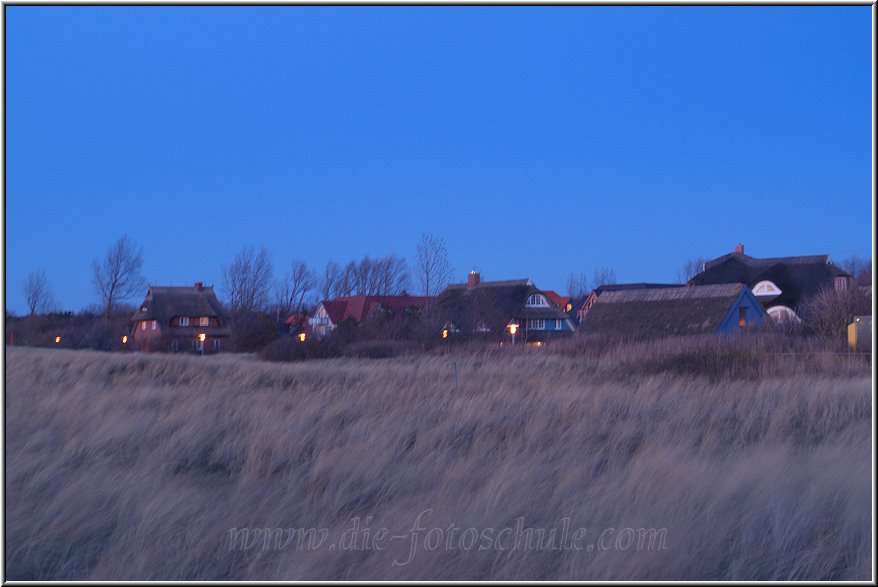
column 302, row 337
column 201, row 338
column 513, row 328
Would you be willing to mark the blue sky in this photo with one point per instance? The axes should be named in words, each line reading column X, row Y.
column 538, row 141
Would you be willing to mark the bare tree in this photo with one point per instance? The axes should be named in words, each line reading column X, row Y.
column 38, row 292
column 432, row 268
column 331, row 278
column 389, row 276
column 690, row 269
column 856, row 266
column 296, row 284
column 117, row 277
column 368, row 277
column 603, row 276
column 247, row 280
column 577, row 285
column 829, row 311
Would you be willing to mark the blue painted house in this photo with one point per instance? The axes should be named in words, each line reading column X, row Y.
column 675, row 311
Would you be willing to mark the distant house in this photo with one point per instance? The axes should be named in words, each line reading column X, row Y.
column 174, row 318
column 780, row 284
column 489, row 308
column 295, row 324
column 563, row 302
column 651, row 313
column 864, row 282
column 585, row 304
column 329, row 314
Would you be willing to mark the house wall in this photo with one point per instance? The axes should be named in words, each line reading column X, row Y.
column 165, row 339
column 755, row 314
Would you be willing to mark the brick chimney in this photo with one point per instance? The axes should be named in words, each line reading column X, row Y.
column 199, row 286
column 739, row 248
column 473, row 278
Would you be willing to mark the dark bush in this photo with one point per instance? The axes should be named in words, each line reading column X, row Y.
column 289, row 349
column 378, row 349
column 252, row 331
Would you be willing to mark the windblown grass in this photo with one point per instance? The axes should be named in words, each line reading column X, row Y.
column 136, row 467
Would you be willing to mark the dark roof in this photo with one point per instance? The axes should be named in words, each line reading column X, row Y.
column 491, row 304
column 162, row 303
column 361, row 308
column 626, row 286
column 797, row 277
column 661, row 311
column 481, row 284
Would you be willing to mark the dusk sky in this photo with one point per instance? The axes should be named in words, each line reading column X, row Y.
column 538, row 141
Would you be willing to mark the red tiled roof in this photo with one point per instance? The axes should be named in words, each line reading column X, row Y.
column 558, row 300
column 360, row 308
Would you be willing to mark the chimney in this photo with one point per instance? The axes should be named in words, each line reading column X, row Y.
column 473, row 278
column 739, row 248
column 199, row 286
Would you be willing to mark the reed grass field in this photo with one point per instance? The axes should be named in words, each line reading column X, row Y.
column 524, row 465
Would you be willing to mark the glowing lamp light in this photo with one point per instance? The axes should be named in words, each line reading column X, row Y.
column 202, row 336
column 444, row 333
column 513, row 328
column 57, row 339
column 125, row 339
column 302, row 337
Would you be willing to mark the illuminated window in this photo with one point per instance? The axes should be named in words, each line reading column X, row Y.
column 742, row 317
column 537, row 324
column 184, row 320
column 155, row 324
column 143, row 325
column 203, row 321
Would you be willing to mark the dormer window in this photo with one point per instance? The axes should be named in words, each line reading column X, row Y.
column 184, row 320
column 144, row 309
column 537, row 300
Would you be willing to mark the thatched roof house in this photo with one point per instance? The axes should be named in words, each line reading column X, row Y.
column 173, row 318
column 487, row 308
column 583, row 308
column 649, row 313
column 781, row 284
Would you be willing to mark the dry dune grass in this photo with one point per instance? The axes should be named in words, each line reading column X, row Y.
column 137, row 467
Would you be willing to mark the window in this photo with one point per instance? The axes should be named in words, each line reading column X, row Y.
column 558, row 324
column 143, row 325
column 155, row 324
column 184, row 320
column 742, row 317
column 536, row 300
column 841, row 283
column 203, row 321
column 539, row 324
